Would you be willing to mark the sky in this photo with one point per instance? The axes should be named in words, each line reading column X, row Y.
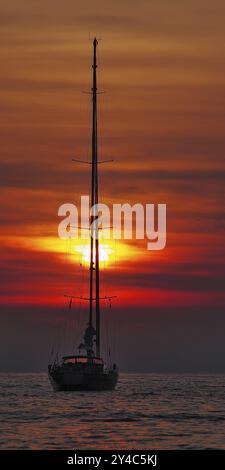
column 161, row 119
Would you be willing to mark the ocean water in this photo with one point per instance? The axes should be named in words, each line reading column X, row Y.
column 146, row 411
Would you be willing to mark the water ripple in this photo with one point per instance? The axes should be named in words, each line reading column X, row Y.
column 146, row 411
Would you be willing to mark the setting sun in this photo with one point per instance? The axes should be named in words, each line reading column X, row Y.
column 104, row 253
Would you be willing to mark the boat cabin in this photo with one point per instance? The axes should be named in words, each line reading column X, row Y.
column 71, row 360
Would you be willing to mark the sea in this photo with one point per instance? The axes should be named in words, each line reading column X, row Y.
column 146, row 411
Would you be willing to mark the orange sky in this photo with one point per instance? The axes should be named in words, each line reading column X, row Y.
column 161, row 65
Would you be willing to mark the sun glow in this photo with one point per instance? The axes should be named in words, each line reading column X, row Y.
column 78, row 251
column 104, row 253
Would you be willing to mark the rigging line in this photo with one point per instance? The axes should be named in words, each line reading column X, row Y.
column 103, row 271
column 114, row 321
column 115, row 317
column 107, row 336
column 103, row 279
column 61, row 332
column 65, row 325
column 76, row 317
column 111, row 332
column 69, row 303
column 75, row 337
column 104, row 339
column 81, row 321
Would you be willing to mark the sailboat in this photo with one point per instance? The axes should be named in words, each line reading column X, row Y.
column 88, row 371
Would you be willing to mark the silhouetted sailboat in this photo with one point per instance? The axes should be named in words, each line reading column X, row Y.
column 88, row 371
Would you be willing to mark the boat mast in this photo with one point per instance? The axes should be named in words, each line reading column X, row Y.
column 96, row 202
column 94, row 263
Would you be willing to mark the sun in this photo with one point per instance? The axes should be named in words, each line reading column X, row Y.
column 104, row 253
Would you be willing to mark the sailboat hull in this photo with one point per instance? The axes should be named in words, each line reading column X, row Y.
column 64, row 378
